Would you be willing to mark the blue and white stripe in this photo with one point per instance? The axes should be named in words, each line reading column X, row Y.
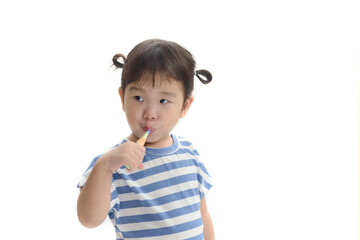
column 162, row 201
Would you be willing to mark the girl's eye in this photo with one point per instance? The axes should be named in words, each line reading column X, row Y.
column 139, row 98
column 164, row 101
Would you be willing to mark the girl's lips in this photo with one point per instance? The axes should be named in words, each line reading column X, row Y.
column 149, row 128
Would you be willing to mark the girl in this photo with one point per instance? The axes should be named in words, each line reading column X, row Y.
column 160, row 194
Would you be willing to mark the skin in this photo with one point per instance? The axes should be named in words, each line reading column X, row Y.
column 147, row 107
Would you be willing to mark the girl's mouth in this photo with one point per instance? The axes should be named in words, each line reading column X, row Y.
column 149, row 128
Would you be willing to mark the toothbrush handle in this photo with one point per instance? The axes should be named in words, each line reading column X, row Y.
column 140, row 141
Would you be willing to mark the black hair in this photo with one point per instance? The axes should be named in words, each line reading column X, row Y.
column 156, row 56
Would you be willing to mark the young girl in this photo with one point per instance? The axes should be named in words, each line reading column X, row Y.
column 160, row 194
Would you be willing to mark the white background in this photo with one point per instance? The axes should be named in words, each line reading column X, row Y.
column 277, row 127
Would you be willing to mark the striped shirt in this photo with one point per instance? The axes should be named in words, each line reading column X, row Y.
column 162, row 201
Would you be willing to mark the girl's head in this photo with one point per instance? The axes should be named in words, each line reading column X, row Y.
column 156, row 86
column 155, row 56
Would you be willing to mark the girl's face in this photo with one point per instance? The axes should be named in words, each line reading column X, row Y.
column 155, row 108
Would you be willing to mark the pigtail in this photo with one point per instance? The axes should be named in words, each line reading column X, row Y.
column 203, row 75
column 119, row 60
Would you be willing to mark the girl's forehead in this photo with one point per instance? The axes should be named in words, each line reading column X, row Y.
column 158, row 83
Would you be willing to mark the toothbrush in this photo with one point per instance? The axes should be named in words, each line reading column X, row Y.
column 141, row 141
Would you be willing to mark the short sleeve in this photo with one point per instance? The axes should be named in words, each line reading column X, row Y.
column 86, row 175
column 204, row 179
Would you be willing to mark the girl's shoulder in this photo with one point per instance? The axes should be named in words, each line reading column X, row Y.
column 184, row 141
column 187, row 145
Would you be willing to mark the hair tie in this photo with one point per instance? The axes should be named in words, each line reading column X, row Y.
column 116, row 60
column 203, row 75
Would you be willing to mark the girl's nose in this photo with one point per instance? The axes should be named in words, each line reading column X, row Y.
column 150, row 114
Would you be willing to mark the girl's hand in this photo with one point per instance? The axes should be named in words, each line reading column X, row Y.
column 129, row 153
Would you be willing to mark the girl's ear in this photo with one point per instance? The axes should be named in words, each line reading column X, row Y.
column 121, row 93
column 186, row 106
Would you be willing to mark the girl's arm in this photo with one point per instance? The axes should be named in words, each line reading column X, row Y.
column 206, row 218
column 95, row 197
